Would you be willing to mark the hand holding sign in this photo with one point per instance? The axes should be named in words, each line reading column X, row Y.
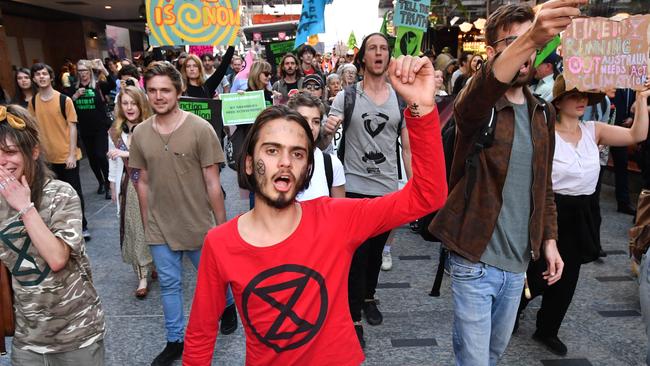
column 551, row 18
column 412, row 78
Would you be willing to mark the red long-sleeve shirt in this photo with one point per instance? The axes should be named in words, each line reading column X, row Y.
column 293, row 296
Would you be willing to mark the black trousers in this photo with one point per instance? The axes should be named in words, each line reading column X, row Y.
column 71, row 176
column 364, row 271
column 577, row 243
column 96, row 148
column 620, row 158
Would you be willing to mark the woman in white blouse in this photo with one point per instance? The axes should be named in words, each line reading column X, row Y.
column 575, row 174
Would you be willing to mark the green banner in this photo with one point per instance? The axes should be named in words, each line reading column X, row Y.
column 208, row 109
column 408, row 41
column 275, row 51
column 241, row 109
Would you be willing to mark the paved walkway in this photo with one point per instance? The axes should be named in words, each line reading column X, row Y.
column 603, row 326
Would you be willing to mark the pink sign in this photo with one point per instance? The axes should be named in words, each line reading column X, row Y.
column 257, row 36
column 282, row 36
column 199, row 50
column 601, row 53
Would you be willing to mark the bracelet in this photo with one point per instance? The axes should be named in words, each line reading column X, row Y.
column 25, row 209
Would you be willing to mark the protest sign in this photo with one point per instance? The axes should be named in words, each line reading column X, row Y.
column 275, row 51
column 600, row 53
column 408, row 41
column 241, row 109
column 312, row 20
column 412, row 13
column 193, row 22
column 208, row 109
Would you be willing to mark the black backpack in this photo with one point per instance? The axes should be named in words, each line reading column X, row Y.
column 348, row 108
column 329, row 171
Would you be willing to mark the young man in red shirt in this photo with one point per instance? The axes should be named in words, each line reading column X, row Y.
column 288, row 262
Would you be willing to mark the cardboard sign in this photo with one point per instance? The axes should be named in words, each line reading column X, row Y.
column 208, row 109
column 241, row 109
column 600, row 53
column 412, row 13
column 193, row 22
column 408, row 41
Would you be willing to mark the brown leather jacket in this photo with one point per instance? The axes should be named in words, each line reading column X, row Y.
column 467, row 230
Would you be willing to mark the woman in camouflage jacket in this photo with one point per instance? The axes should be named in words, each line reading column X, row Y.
column 59, row 318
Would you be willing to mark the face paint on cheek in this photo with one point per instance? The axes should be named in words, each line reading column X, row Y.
column 260, row 168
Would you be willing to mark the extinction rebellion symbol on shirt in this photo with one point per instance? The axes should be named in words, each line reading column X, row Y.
column 285, row 306
column 26, row 269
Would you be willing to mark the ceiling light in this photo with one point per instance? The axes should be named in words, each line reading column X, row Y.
column 108, row 7
column 465, row 27
column 454, row 20
column 480, row 23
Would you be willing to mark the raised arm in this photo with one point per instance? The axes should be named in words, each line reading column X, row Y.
column 475, row 102
column 213, row 81
column 621, row 136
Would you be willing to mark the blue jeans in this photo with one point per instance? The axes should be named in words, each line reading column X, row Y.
column 485, row 306
column 169, row 265
column 644, row 297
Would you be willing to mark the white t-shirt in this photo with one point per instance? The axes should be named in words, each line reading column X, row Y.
column 318, row 185
column 576, row 168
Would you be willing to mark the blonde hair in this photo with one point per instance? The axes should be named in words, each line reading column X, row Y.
column 257, row 68
column 89, row 65
column 197, row 60
column 140, row 100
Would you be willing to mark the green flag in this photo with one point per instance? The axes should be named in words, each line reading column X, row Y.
column 352, row 40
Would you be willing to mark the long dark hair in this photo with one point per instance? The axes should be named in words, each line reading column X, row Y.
column 19, row 98
column 27, row 139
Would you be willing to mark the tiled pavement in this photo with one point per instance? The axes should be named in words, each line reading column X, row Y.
column 603, row 326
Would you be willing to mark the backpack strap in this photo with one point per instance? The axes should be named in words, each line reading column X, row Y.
column 402, row 107
column 350, row 94
column 483, row 141
column 329, row 171
column 62, row 98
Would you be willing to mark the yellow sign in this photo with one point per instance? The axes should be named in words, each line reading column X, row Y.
column 193, row 22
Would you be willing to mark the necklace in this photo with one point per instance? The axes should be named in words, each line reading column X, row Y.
column 157, row 129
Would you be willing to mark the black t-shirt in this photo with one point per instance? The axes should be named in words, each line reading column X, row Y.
column 91, row 112
column 291, row 86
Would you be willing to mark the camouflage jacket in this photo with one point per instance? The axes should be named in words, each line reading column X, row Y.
column 55, row 311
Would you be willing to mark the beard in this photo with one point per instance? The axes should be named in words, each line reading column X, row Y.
column 284, row 199
column 523, row 80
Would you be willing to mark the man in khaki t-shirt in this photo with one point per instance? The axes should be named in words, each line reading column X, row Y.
column 177, row 154
column 58, row 132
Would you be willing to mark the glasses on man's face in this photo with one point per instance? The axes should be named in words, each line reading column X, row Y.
column 506, row 40
column 312, row 87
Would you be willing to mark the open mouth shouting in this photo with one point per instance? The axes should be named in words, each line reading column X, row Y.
column 283, row 182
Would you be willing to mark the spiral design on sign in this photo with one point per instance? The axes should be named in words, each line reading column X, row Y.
column 195, row 22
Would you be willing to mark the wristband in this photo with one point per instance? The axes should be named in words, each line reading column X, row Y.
column 25, row 209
